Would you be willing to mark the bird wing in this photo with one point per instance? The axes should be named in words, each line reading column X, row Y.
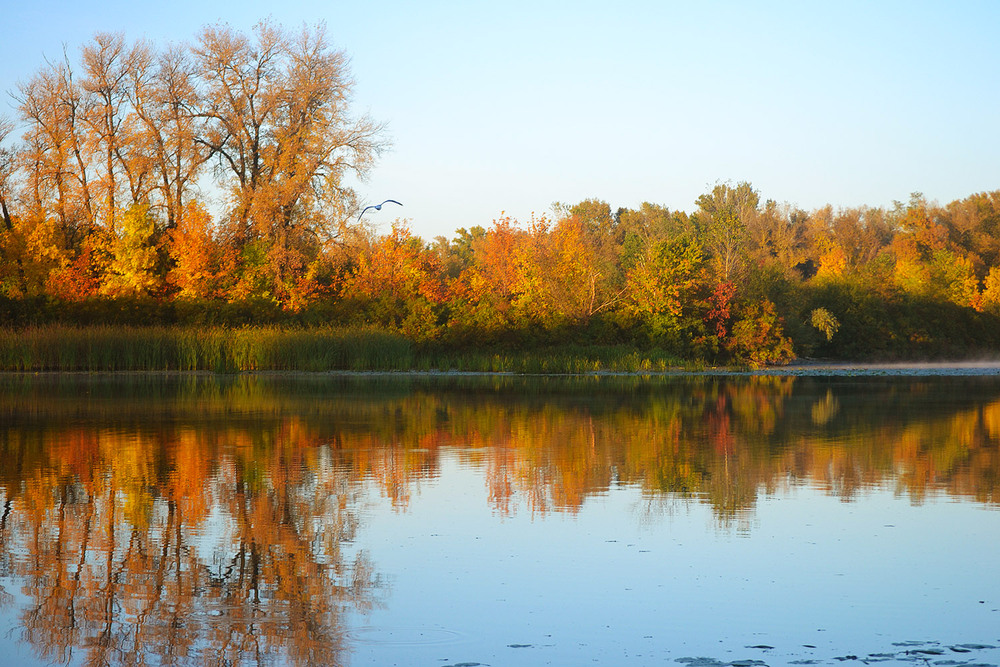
column 390, row 200
column 365, row 209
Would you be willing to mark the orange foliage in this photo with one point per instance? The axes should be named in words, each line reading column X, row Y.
column 488, row 292
column 399, row 266
column 80, row 279
column 195, row 254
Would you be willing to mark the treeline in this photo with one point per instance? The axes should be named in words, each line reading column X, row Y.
column 106, row 220
column 736, row 281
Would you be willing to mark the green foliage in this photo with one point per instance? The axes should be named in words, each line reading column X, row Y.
column 252, row 278
column 881, row 322
column 823, row 319
column 248, row 349
column 758, row 338
column 724, row 215
column 218, row 349
column 662, row 299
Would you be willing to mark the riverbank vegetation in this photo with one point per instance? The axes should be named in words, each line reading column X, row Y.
column 269, row 348
column 111, row 246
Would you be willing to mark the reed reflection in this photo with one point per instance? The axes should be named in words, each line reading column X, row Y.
column 217, row 520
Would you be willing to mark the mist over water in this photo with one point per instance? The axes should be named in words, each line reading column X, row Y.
column 916, row 368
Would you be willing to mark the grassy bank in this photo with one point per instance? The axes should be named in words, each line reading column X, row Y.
column 223, row 349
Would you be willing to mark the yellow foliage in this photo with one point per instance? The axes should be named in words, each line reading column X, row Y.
column 832, row 261
column 990, row 297
column 132, row 270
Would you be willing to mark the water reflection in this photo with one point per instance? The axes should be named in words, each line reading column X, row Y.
column 207, row 519
column 130, row 539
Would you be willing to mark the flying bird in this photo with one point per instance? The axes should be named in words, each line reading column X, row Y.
column 378, row 207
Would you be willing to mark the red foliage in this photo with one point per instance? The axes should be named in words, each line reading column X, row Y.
column 77, row 281
column 719, row 314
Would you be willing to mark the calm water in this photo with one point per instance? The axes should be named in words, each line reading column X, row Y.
column 500, row 521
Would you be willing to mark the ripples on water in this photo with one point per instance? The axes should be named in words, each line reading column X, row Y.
column 703, row 520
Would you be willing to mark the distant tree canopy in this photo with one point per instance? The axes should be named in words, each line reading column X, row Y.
column 103, row 199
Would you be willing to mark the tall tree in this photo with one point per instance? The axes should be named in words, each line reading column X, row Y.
column 107, row 64
column 277, row 112
column 662, row 291
column 398, row 279
column 165, row 97
column 52, row 105
column 488, row 292
column 8, row 166
column 974, row 225
column 725, row 214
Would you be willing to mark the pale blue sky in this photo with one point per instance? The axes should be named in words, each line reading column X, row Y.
column 511, row 106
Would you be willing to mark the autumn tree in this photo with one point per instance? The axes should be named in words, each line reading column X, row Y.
column 724, row 215
column 456, row 254
column 974, row 225
column 863, row 233
column 577, row 263
column 589, row 246
column 662, row 291
column 128, row 126
column 757, row 336
column 920, row 241
column 84, row 168
column 826, row 248
column 59, row 176
column 133, row 255
column 195, row 252
column 566, row 272
column 775, row 237
column 8, row 157
column 12, row 277
column 119, row 160
column 397, row 279
column 990, row 298
column 277, row 123
column 164, row 95
column 487, row 295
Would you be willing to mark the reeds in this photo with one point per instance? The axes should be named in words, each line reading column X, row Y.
column 218, row 349
column 566, row 359
column 228, row 350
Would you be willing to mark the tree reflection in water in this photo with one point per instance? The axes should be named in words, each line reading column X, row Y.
column 129, row 547
column 212, row 520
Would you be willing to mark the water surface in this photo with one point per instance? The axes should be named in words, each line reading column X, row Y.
column 500, row 520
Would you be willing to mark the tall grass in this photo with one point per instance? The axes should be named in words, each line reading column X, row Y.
column 227, row 350
column 160, row 348
column 559, row 359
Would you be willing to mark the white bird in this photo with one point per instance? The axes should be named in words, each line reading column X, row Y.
column 378, row 207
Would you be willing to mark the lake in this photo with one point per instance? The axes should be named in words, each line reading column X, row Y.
column 797, row 518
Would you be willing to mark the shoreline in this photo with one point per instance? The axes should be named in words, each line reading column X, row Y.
column 799, row 369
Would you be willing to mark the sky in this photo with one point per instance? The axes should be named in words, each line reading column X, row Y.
column 506, row 108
